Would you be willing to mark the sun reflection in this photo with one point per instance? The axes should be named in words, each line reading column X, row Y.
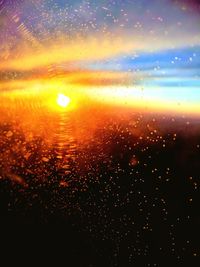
column 63, row 100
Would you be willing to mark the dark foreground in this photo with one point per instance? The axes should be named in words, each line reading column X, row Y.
column 127, row 194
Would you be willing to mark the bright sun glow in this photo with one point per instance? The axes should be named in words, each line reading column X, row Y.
column 63, row 100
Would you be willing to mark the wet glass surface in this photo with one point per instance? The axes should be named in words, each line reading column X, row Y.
column 100, row 132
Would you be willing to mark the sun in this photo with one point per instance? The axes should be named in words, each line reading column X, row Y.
column 63, row 100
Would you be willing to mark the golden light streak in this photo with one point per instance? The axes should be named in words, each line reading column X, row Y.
column 56, row 94
column 106, row 87
column 145, row 100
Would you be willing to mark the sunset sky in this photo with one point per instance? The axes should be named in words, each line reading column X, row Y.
column 150, row 47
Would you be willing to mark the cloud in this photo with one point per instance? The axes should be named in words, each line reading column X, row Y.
column 80, row 50
column 56, row 53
